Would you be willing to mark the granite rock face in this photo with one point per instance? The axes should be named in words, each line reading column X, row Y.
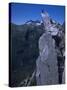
column 47, row 69
column 51, row 61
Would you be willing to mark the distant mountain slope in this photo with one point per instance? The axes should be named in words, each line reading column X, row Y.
column 24, row 50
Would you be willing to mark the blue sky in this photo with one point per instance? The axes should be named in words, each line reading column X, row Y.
column 20, row 13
